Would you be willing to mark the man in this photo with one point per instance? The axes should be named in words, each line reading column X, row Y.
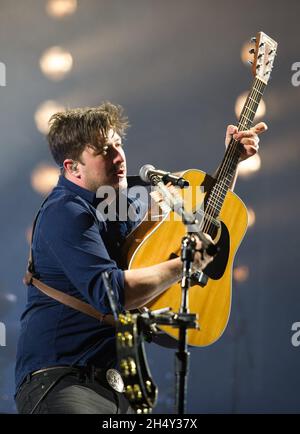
column 63, row 355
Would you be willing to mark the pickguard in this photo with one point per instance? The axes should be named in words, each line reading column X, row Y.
column 216, row 268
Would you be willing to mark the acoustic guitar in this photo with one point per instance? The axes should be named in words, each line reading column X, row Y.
column 222, row 215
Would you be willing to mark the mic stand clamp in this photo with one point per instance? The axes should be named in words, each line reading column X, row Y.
column 165, row 316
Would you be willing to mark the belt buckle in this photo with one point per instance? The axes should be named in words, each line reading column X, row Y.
column 115, row 380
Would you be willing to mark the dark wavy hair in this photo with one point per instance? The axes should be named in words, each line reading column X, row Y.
column 72, row 130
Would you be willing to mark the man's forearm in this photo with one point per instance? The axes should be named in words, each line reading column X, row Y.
column 144, row 284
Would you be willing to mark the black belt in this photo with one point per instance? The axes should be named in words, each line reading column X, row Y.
column 91, row 372
column 110, row 379
column 83, row 372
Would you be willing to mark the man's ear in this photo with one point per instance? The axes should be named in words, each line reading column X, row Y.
column 74, row 166
column 71, row 167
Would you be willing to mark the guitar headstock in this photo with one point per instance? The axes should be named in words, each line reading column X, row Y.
column 264, row 55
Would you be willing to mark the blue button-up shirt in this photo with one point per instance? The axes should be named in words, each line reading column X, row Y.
column 71, row 247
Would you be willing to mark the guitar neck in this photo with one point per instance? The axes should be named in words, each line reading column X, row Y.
column 227, row 169
column 232, row 155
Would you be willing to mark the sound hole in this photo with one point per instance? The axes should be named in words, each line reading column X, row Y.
column 216, row 269
column 212, row 230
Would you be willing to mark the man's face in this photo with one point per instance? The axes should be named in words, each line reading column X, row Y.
column 110, row 169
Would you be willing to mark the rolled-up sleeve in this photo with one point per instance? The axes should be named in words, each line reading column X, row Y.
column 73, row 237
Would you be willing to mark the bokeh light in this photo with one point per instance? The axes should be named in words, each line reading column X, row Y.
column 240, row 102
column 249, row 166
column 61, row 8
column 241, row 273
column 251, row 217
column 245, row 55
column 44, row 177
column 44, row 113
column 56, row 63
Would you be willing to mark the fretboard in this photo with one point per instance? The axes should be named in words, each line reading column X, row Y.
column 230, row 161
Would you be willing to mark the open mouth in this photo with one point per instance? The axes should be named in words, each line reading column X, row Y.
column 120, row 172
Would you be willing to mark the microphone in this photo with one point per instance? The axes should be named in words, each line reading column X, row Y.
column 148, row 174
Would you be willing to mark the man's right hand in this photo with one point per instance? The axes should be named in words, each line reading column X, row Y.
column 143, row 285
column 202, row 258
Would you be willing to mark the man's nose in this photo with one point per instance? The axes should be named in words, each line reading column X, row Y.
column 118, row 155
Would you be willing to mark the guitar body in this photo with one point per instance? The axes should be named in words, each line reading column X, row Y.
column 153, row 242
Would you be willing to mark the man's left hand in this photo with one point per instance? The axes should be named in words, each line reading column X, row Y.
column 249, row 139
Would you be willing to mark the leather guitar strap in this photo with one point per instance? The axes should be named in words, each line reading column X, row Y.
column 57, row 295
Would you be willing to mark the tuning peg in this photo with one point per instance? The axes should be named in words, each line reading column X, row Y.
column 250, row 62
column 253, row 39
column 252, row 51
column 261, row 44
column 259, row 56
column 270, row 52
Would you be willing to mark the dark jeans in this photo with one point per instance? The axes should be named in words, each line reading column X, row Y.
column 75, row 392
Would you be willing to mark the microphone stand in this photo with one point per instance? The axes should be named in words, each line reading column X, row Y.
column 182, row 356
column 183, row 320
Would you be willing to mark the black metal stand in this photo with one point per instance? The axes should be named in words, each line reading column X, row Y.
column 182, row 356
column 183, row 320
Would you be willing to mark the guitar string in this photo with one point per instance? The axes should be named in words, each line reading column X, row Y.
column 245, row 115
column 247, row 112
column 208, row 217
column 225, row 165
column 228, row 161
column 257, row 91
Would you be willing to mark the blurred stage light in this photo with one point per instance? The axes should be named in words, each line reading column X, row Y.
column 44, row 113
column 61, row 8
column 251, row 217
column 6, row 302
column 241, row 273
column 240, row 104
column 44, row 177
column 28, row 234
column 11, row 297
column 56, row 63
column 249, row 166
column 245, row 55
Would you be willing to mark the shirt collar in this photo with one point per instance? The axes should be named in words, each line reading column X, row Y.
column 88, row 195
